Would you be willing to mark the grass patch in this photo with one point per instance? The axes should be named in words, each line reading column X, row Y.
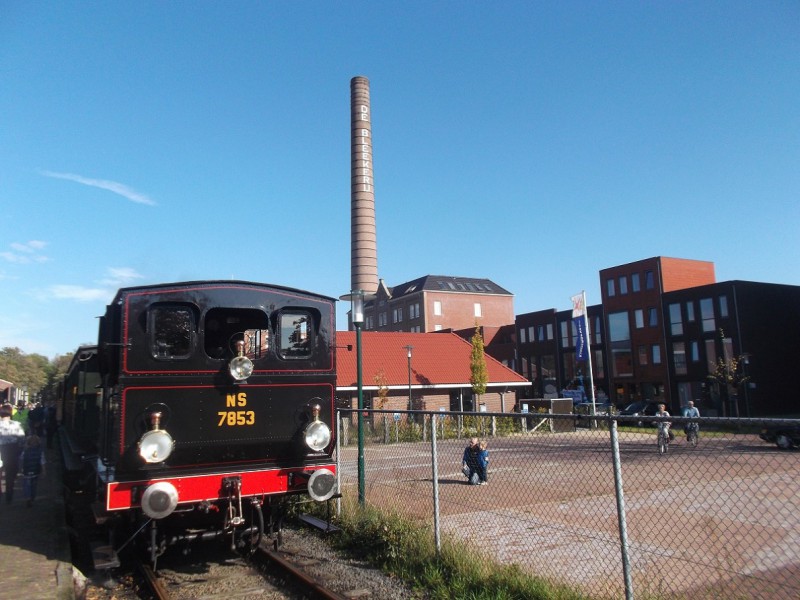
column 406, row 549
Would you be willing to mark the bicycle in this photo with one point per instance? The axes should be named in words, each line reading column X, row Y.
column 692, row 434
column 663, row 439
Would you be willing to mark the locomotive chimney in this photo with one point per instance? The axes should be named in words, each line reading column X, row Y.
column 363, row 238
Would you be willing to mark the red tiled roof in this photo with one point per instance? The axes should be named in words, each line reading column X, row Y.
column 437, row 360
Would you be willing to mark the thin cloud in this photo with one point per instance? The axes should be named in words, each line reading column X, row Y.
column 79, row 293
column 104, row 184
column 116, row 277
column 120, row 276
column 24, row 254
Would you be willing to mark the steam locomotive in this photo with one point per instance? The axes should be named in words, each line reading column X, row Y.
column 202, row 408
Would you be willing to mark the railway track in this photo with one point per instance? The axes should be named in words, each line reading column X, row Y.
column 297, row 573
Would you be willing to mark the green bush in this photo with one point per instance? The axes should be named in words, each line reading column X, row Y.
column 406, row 549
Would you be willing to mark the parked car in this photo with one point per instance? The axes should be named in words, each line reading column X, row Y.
column 784, row 437
column 600, row 408
column 645, row 408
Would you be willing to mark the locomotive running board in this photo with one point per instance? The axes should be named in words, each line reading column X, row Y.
column 104, row 557
column 325, row 526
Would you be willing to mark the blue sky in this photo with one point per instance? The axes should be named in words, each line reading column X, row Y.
column 532, row 143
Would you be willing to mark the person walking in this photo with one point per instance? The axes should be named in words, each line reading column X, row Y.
column 11, row 436
column 32, row 463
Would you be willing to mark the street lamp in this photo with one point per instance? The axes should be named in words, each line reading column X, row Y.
column 356, row 298
column 409, row 348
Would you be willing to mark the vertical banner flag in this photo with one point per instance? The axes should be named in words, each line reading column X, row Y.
column 579, row 321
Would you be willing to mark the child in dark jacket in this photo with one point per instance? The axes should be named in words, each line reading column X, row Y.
column 483, row 463
column 32, row 463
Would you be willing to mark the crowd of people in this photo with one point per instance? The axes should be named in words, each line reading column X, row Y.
column 22, row 449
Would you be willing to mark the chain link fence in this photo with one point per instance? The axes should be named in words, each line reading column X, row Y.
column 589, row 500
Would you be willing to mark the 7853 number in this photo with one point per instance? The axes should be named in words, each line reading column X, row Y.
column 233, row 418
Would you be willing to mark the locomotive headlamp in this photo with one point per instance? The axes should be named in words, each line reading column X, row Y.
column 159, row 500
column 317, row 434
column 156, row 445
column 240, row 367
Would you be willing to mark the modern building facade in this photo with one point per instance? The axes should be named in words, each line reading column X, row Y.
column 667, row 331
column 732, row 348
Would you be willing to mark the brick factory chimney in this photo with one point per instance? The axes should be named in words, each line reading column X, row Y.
column 363, row 237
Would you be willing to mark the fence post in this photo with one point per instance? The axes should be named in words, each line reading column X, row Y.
column 623, row 528
column 435, row 478
column 339, row 421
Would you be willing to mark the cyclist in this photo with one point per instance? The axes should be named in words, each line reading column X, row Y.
column 663, row 426
column 692, row 412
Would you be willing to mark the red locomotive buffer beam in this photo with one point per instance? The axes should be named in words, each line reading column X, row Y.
column 124, row 495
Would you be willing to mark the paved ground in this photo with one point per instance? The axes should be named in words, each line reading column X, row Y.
column 721, row 520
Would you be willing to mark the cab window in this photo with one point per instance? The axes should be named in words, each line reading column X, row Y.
column 171, row 329
column 296, row 331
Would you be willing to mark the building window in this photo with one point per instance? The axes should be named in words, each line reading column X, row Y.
column 679, row 356
column 531, row 334
column 675, row 321
column 723, row 307
column 610, row 288
column 642, row 351
column 397, row 315
column 656, row 354
column 549, row 331
column 690, row 311
column 635, row 285
column 707, row 314
column 437, row 308
column 711, row 356
column 540, row 332
column 638, row 317
column 619, row 337
column 694, row 349
column 522, row 335
column 437, row 327
column 413, row 311
column 477, row 309
column 649, row 282
column 598, row 336
column 652, row 315
column 599, row 365
column 368, row 322
column 382, row 319
column 623, row 285
column 564, row 335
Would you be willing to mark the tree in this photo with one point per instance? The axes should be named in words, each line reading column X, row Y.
column 383, row 388
column 728, row 373
column 479, row 374
column 32, row 372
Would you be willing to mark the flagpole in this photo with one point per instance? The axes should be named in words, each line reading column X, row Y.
column 589, row 349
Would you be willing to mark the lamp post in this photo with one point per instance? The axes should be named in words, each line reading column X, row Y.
column 409, row 348
column 356, row 298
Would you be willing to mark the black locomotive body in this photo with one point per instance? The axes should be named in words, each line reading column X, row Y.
column 214, row 401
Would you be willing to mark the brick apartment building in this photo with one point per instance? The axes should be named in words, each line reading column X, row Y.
column 438, row 302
